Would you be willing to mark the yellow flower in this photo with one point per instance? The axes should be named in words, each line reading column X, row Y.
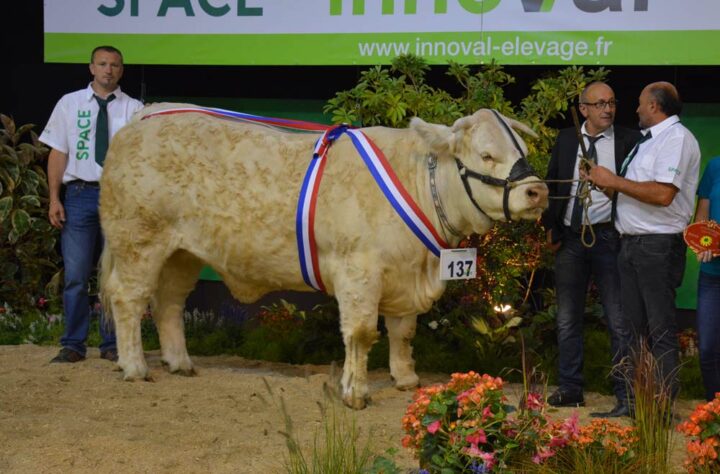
column 706, row 241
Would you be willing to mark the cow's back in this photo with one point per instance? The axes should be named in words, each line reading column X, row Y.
column 225, row 191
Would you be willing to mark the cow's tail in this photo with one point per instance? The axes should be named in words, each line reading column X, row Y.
column 107, row 262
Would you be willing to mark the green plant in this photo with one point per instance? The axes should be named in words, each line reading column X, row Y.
column 28, row 258
column 508, row 255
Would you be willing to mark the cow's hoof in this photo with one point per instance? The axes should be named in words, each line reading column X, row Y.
column 179, row 366
column 130, row 375
column 184, row 372
column 408, row 382
column 356, row 403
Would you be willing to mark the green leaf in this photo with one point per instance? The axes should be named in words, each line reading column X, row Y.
column 481, row 326
column 514, row 322
column 8, row 123
column 437, row 408
column 41, row 225
column 6, row 205
column 20, row 222
column 30, row 200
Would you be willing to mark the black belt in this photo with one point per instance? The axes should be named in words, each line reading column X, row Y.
column 596, row 227
column 93, row 184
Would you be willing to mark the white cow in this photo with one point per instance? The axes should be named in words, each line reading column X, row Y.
column 182, row 191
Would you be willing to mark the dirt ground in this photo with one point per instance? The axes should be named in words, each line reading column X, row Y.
column 82, row 417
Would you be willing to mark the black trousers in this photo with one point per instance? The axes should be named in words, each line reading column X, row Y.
column 651, row 269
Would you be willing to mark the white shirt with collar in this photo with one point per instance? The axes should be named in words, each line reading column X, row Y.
column 671, row 156
column 601, row 208
column 71, row 129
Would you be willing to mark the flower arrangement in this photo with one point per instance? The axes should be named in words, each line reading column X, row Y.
column 602, row 437
column 466, row 426
column 703, row 427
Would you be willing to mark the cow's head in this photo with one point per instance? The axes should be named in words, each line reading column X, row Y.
column 489, row 158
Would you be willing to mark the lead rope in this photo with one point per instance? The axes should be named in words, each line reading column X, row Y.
column 585, row 198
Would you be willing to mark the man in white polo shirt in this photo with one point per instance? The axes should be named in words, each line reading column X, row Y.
column 78, row 133
column 655, row 199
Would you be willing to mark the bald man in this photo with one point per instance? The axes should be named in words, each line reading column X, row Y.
column 654, row 193
column 569, row 229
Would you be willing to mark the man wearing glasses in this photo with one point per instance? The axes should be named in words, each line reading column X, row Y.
column 570, row 230
column 655, row 193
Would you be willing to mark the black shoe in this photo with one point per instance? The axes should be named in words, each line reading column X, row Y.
column 67, row 356
column 110, row 354
column 620, row 409
column 563, row 398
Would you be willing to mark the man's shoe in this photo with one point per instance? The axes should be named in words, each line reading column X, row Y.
column 562, row 398
column 67, row 356
column 110, row 354
column 621, row 409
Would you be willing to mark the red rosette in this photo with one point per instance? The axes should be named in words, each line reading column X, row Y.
column 702, row 236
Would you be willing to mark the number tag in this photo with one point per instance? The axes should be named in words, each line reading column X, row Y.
column 458, row 264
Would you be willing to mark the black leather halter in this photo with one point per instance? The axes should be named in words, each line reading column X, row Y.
column 521, row 169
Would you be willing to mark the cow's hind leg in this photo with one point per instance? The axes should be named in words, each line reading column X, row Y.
column 358, row 303
column 401, row 330
column 177, row 279
column 127, row 288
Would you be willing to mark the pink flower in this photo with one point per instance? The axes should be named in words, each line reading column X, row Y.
column 534, row 401
column 473, row 451
column 486, row 413
column 488, row 459
column 571, row 426
column 479, row 437
column 433, row 427
column 542, row 454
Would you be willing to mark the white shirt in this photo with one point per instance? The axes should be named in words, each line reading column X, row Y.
column 672, row 156
column 601, row 208
column 71, row 129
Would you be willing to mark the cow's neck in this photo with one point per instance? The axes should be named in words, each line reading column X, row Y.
column 454, row 203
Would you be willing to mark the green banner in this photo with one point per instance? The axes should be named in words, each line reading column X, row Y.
column 508, row 47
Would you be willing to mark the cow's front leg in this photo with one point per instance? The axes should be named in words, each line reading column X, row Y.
column 358, row 305
column 401, row 330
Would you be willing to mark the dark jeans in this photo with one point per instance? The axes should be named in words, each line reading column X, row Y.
column 81, row 238
column 708, row 324
column 575, row 264
column 651, row 268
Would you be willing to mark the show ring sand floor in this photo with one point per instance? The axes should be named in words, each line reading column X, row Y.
column 82, row 418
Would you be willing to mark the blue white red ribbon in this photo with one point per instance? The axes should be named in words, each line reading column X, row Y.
column 288, row 124
column 386, row 179
column 376, row 163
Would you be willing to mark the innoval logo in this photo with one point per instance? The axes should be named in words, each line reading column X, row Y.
column 410, row 6
column 484, row 6
column 537, row 5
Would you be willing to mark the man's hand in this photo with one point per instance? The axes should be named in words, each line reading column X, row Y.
column 600, row 176
column 56, row 214
column 552, row 246
column 704, row 256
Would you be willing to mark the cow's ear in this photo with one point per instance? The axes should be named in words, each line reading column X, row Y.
column 439, row 138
